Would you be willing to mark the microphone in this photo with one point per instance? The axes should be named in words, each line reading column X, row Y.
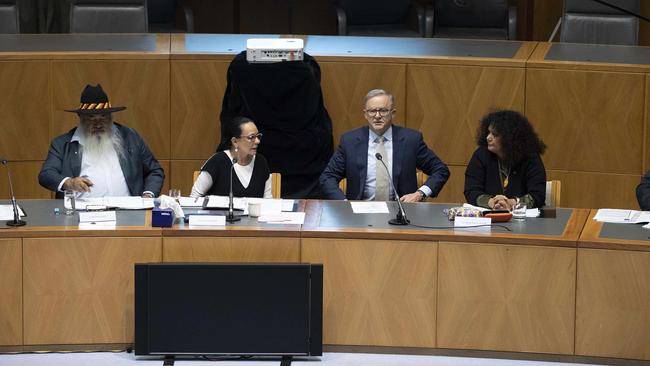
column 231, row 215
column 401, row 214
column 16, row 221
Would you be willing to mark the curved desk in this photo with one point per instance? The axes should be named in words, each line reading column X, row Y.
column 548, row 286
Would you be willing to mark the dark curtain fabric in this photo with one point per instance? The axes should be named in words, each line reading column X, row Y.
column 286, row 102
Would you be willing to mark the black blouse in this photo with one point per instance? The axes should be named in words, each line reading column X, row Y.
column 218, row 166
column 526, row 177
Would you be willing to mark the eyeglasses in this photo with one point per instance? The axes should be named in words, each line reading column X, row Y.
column 382, row 111
column 252, row 137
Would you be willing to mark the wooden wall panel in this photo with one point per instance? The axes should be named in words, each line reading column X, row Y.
column 646, row 128
column 545, row 16
column 24, row 175
column 377, row 292
column 346, row 84
column 612, row 312
column 24, row 117
column 590, row 121
column 506, row 298
column 11, row 292
column 181, row 174
column 452, row 192
column 80, row 290
column 198, row 88
column 229, row 249
column 596, row 190
column 140, row 85
column 446, row 103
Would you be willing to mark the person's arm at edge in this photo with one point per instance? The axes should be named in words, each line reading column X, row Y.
column 437, row 171
column 332, row 175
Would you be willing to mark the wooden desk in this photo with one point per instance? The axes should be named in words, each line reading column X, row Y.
column 542, row 288
column 445, row 288
column 613, row 290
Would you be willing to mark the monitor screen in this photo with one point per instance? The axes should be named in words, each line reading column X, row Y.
column 245, row 309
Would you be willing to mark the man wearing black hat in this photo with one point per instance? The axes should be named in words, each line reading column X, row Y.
column 99, row 157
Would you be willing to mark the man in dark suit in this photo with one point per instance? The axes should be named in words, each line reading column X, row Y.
column 100, row 157
column 402, row 149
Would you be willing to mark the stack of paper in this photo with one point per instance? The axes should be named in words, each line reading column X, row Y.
column 125, row 202
column 7, row 212
column 96, row 220
column 619, row 216
column 285, row 218
column 365, row 207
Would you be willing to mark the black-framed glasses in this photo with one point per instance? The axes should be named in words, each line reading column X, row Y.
column 252, row 137
column 382, row 112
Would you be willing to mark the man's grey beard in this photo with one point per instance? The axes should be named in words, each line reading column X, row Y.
column 99, row 145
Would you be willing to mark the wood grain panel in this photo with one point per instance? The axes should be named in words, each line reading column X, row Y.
column 24, row 175
column 594, row 118
column 596, row 190
column 228, row 249
column 446, row 103
column 612, row 312
column 140, row 85
column 506, row 298
column 545, row 16
column 11, row 292
column 452, row 192
column 198, row 88
column 80, row 290
column 181, row 174
column 25, row 115
column 346, row 84
column 377, row 292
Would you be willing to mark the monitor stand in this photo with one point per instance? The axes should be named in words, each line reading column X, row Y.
column 168, row 361
column 286, row 361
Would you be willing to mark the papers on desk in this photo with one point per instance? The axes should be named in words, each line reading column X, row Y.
column 268, row 205
column 97, row 220
column 7, row 212
column 618, row 216
column 365, row 207
column 284, row 218
column 238, row 203
column 121, row 202
column 191, row 201
column 531, row 212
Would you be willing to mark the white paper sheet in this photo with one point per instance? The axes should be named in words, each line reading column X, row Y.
column 121, row 202
column 7, row 212
column 191, row 202
column 97, row 216
column 284, row 218
column 102, row 225
column 619, row 216
column 222, row 202
column 362, row 207
column 207, row 220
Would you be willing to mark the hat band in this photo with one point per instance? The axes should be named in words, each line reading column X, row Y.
column 92, row 106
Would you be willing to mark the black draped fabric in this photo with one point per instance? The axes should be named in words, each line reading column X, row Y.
column 286, row 102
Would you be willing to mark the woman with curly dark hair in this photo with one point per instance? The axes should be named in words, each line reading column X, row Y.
column 506, row 168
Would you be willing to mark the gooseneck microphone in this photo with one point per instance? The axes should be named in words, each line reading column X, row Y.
column 231, row 215
column 401, row 214
column 16, row 221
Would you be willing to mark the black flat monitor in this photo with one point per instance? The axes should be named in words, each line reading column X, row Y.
column 228, row 309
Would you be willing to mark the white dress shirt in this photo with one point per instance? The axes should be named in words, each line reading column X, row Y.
column 105, row 173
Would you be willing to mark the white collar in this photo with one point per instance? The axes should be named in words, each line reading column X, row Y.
column 388, row 135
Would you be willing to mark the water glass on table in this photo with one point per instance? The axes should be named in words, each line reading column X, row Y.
column 175, row 193
column 69, row 203
column 519, row 211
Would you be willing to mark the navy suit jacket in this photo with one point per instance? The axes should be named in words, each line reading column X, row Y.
column 410, row 153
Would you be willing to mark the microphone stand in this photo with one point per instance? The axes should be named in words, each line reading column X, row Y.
column 231, row 215
column 16, row 221
column 400, row 219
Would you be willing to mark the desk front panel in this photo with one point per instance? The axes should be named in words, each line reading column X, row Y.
column 613, row 303
column 506, row 298
column 11, row 292
column 376, row 292
column 231, row 249
column 80, row 290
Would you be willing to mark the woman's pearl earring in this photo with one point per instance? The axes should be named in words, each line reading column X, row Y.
column 236, row 149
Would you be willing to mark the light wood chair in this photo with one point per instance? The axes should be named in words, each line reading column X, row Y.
column 276, row 183
column 553, row 190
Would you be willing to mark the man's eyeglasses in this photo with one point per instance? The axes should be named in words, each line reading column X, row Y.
column 382, row 112
column 252, row 137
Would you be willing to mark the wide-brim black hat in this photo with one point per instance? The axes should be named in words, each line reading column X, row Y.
column 95, row 101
